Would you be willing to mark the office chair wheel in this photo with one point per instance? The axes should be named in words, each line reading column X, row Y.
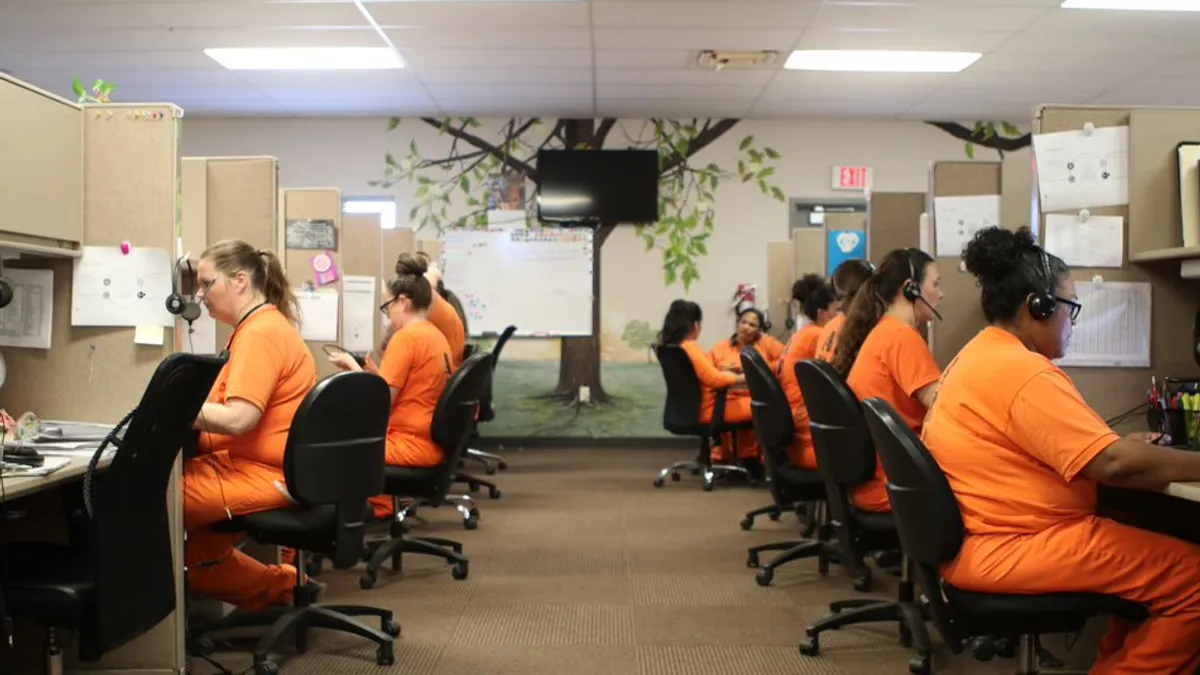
column 862, row 584
column 201, row 646
column 494, row 493
column 658, row 482
column 982, row 648
column 390, row 627
column 810, row 646
column 747, row 523
column 385, row 655
column 489, row 469
column 460, row 571
column 694, row 472
column 367, row 580
column 472, row 487
column 472, row 520
column 774, row 516
column 707, row 486
column 266, row 668
column 314, row 566
column 503, row 466
column 765, row 576
column 919, row 665
column 752, row 559
column 675, row 478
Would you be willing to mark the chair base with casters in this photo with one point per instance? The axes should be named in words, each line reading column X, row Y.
column 803, row 549
column 474, row 484
column 491, row 462
column 801, row 489
column 398, row 543
column 703, row 466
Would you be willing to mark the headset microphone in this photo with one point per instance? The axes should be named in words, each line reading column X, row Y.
column 937, row 314
column 912, row 289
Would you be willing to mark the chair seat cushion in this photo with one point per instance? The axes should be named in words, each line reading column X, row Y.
column 872, row 522
column 310, row 528
column 1044, row 606
column 408, row 482
column 800, row 485
column 48, row 583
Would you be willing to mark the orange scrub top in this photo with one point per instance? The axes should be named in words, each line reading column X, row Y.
column 828, row 339
column 894, row 363
column 271, row 368
column 711, row 378
column 801, row 347
column 417, row 364
column 725, row 355
column 444, row 318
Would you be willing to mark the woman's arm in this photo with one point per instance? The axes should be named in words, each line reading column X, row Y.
column 928, row 394
column 232, row 418
column 1133, row 463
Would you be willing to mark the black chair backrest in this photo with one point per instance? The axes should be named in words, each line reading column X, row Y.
column 129, row 530
column 454, row 417
column 769, row 409
column 486, row 412
column 925, row 510
column 841, row 442
column 501, row 341
column 681, row 411
column 335, row 454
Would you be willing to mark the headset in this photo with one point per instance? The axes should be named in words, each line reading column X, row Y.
column 912, row 289
column 177, row 304
column 1042, row 303
column 6, row 289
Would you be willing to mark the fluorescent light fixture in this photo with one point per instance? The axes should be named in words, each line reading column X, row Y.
column 1136, row 5
column 879, row 61
column 307, row 58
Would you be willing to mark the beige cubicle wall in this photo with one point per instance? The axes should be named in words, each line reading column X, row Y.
column 312, row 204
column 362, row 255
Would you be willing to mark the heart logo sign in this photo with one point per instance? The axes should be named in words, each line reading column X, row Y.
column 847, row 241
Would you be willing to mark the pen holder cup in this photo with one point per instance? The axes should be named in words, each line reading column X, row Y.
column 1182, row 426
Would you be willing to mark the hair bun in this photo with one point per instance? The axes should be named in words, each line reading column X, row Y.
column 806, row 285
column 994, row 253
column 409, row 264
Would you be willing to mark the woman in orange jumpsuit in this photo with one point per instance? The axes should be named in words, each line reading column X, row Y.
column 441, row 313
column 1024, row 453
column 847, row 279
column 727, row 355
column 819, row 305
column 880, row 352
column 416, row 366
column 244, row 424
column 681, row 327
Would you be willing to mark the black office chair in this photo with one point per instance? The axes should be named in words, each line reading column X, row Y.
column 790, row 485
column 931, row 531
column 846, row 458
column 681, row 416
column 115, row 580
column 487, row 413
column 453, row 420
column 332, row 464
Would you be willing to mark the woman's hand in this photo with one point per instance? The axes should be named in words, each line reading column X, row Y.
column 344, row 362
column 370, row 366
column 1151, row 437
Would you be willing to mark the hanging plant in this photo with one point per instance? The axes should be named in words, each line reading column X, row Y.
column 99, row 92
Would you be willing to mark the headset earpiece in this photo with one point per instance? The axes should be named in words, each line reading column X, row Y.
column 911, row 289
column 188, row 309
column 6, row 293
column 1042, row 304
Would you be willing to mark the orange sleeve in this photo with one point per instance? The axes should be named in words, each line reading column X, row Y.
column 397, row 360
column 445, row 319
column 771, row 350
column 1050, row 421
column 910, row 362
column 254, row 369
column 807, row 347
column 722, row 355
column 710, row 376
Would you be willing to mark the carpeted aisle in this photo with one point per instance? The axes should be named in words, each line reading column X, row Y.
column 583, row 568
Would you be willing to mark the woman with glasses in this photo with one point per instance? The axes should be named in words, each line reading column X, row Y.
column 416, row 365
column 1024, row 454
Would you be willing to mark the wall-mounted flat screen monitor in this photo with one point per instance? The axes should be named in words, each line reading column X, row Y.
column 598, row 186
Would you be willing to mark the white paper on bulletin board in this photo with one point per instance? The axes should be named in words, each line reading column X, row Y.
column 112, row 288
column 957, row 219
column 318, row 315
column 1081, row 169
column 1113, row 330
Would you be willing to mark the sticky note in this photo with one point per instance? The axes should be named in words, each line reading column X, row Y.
column 148, row 335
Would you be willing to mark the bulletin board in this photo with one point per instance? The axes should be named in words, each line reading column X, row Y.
column 313, row 203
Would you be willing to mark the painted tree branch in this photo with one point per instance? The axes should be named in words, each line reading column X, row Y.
column 493, row 150
column 977, row 136
column 702, row 140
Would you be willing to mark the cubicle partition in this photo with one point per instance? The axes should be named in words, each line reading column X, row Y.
column 310, row 237
column 363, row 262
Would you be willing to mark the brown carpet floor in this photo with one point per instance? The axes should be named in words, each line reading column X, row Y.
column 583, row 568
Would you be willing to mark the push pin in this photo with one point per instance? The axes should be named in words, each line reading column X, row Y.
column 1084, row 214
column 125, row 246
column 1088, row 129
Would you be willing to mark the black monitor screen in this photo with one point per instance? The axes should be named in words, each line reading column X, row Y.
column 604, row 186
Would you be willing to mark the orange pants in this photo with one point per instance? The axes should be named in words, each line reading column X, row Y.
column 1097, row 555
column 871, row 496
column 409, row 453
column 737, row 409
column 216, row 487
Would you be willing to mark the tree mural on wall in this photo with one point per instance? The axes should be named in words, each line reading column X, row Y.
column 452, row 193
column 999, row 136
column 639, row 334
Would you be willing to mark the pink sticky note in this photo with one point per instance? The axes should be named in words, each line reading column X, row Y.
column 324, row 269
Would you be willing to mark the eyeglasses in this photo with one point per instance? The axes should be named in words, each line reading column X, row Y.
column 203, row 286
column 387, row 305
column 1075, row 307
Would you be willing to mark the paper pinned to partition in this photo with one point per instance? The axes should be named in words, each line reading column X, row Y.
column 957, row 219
column 318, row 315
column 111, row 288
column 28, row 319
column 1113, row 330
column 1097, row 241
column 1082, row 169
column 358, row 313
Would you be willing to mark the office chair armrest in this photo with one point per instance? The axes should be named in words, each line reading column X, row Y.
column 718, row 415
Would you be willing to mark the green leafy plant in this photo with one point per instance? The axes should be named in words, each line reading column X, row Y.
column 999, row 136
column 100, row 91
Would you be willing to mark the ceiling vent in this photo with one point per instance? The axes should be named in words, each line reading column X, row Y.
column 720, row 60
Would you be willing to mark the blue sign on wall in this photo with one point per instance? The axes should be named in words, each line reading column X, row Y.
column 843, row 245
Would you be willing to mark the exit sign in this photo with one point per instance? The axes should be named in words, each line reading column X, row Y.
column 851, row 178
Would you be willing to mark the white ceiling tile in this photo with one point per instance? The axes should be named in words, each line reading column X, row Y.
column 171, row 93
column 780, row 109
column 973, row 41
column 1025, row 94
column 548, row 76
column 510, row 91
column 249, row 14
column 1069, row 62
column 226, row 108
column 789, row 83
column 681, row 76
column 996, row 112
column 1154, row 90
column 84, row 41
column 206, row 38
column 96, row 63
column 641, row 108
column 478, row 37
column 1087, row 43
column 291, row 97
column 695, row 39
column 918, row 17
column 643, row 59
column 478, row 107
column 204, row 77
column 498, row 14
column 1039, row 78
column 1093, row 22
column 498, row 58
column 704, row 14
column 367, row 80
column 745, row 94
column 38, row 15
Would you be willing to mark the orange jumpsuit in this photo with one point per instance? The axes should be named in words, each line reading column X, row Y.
column 828, row 339
column 729, row 357
column 894, row 363
column 416, row 366
column 801, row 347
column 1013, row 436
column 271, row 368
column 444, row 318
column 737, row 408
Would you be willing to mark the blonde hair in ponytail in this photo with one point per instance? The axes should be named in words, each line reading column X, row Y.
column 264, row 268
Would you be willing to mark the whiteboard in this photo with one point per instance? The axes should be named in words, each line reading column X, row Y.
column 537, row 279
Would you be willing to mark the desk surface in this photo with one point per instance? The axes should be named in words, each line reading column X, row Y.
column 17, row 486
column 1189, row 491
